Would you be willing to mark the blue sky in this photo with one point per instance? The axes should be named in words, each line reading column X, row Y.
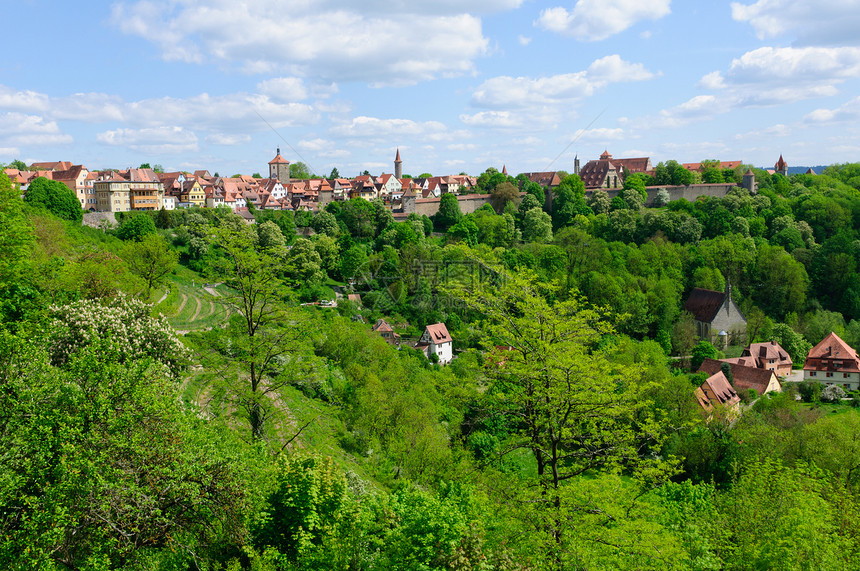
column 457, row 85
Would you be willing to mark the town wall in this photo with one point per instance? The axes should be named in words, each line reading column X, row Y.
column 689, row 192
column 430, row 206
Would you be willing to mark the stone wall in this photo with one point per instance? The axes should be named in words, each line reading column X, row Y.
column 690, row 192
column 94, row 219
column 430, row 206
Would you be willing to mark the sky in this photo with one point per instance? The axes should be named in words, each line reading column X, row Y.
column 456, row 85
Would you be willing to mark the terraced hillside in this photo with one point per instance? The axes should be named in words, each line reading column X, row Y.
column 190, row 304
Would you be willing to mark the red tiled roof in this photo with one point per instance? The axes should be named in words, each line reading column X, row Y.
column 744, row 377
column 763, row 352
column 717, row 390
column 439, row 333
column 834, row 354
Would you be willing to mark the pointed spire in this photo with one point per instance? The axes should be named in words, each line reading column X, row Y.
column 397, row 158
column 504, row 169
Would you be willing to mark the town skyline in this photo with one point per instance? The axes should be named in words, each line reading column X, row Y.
column 457, row 87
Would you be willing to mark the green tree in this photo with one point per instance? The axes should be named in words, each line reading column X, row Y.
column 271, row 239
column 537, row 226
column 704, row 350
column 449, row 212
column 334, row 173
column 151, row 259
column 56, row 197
column 18, row 164
column 135, row 226
column 299, row 170
column 244, row 358
column 572, row 406
column 102, row 467
column 502, row 194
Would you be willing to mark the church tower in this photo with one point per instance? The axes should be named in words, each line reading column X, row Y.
column 279, row 168
column 398, row 166
column 576, row 165
column 781, row 166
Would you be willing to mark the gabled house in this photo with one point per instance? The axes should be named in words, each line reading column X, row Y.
column 602, row 173
column 718, row 318
column 744, row 377
column 833, row 362
column 192, row 193
column 386, row 331
column 717, row 391
column 437, row 341
column 768, row 355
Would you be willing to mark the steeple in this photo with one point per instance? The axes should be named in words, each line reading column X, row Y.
column 781, row 166
column 398, row 166
column 504, row 170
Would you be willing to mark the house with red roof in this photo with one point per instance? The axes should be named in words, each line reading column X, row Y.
column 717, row 392
column 769, row 356
column 744, row 377
column 833, row 362
column 437, row 341
column 386, row 331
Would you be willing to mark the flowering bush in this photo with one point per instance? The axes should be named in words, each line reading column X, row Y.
column 833, row 393
column 125, row 321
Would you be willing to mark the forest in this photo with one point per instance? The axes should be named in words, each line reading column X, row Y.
column 185, row 391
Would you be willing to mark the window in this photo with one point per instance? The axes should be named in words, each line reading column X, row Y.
column 844, row 375
column 829, row 374
column 813, row 373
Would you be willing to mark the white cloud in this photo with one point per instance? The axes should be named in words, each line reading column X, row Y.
column 592, row 20
column 778, row 130
column 603, row 134
column 813, row 23
column 374, row 128
column 850, row 111
column 493, row 119
column 284, row 88
column 771, row 76
column 156, row 140
column 523, row 40
column 330, row 39
column 23, row 130
column 10, row 152
column 519, row 92
column 228, row 139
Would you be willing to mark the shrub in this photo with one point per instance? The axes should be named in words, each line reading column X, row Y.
column 832, row 394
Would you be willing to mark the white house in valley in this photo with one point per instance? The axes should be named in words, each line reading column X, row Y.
column 437, row 341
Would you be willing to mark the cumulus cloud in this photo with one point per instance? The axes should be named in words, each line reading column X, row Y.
column 525, row 92
column 376, row 128
column 329, row 39
column 771, row 76
column 592, row 20
column 20, row 129
column 850, row 111
column 811, row 23
column 155, row 140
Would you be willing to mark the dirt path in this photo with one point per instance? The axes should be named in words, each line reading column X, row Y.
column 163, row 297
column 181, row 304
column 197, row 312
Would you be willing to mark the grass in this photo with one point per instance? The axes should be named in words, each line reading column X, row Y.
column 188, row 307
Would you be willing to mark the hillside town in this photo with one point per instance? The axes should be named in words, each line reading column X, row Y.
column 146, row 189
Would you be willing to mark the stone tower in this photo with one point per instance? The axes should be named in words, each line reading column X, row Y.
column 781, row 166
column 749, row 181
column 398, row 166
column 576, row 165
column 279, row 168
